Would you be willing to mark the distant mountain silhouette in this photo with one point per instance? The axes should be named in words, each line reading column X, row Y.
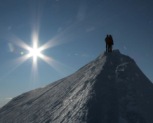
column 110, row 89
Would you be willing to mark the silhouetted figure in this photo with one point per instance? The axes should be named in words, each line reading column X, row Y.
column 109, row 42
column 106, row 39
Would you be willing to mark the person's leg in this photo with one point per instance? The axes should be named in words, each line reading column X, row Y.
column 110, row 48
column 106, row 48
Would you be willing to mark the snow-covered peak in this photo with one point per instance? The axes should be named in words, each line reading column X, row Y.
column 109, row 89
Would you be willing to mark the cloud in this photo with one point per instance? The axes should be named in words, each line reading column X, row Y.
column 83, row 55
column 8, row 98
column 82, row 12
column 90, row 29
column 9, row 28
column 11, row 47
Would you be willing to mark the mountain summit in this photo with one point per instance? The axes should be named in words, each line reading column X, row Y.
column 110, row 89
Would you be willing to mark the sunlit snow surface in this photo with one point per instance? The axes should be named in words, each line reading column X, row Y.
column 110, row 89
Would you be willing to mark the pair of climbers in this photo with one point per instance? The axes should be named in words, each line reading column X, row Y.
column 109, row 42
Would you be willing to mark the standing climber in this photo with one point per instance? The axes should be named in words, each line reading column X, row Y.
column 109, row 42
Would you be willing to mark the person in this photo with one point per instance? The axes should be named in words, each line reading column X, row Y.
column 106, row 40
column 109, row 42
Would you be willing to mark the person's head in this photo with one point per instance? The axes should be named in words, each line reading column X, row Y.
column 110, row 36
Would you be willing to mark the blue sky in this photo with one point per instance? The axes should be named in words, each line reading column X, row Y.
column 75, row 31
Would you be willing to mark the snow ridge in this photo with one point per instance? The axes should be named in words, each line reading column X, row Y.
column 110, row 89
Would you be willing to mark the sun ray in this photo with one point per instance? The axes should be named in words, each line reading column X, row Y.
column 16, row 63
column 35, row 51
column 56, row 65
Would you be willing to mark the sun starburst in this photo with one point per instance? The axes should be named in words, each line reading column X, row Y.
column 34, row 52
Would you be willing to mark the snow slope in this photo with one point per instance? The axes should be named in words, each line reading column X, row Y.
column 110, row 89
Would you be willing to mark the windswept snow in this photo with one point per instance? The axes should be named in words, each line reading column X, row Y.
column 110, row 89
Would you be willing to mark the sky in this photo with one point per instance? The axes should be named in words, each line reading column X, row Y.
column 70, row 34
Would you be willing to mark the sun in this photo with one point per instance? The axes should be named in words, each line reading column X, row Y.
column 34, row 52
